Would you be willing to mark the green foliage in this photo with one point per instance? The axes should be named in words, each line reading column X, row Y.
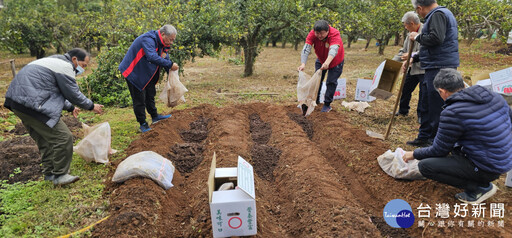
column 106, row 85
column 30, row 24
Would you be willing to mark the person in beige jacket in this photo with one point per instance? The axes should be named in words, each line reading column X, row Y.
column 414, row 74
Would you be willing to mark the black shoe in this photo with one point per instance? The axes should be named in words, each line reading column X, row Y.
column 304, row 109
column 401, row 114
column 420, row 142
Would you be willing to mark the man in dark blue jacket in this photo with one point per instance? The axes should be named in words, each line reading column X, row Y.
column 475, row 126
column 141, row 68
column 439, row 49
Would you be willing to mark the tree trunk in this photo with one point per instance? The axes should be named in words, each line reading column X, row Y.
column 367, row 42
column 382, row 46
column 40, row 53
column 296, row 44
column 386, row 40
column 250, row 46
column 350, row 39
column 397, row 39
column 284, row 44
column 250, row 56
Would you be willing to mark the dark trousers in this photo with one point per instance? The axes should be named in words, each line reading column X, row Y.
column 331, row 82
column 144, row 100
column 55, row 144
column 456, row 170
column 411, row 81
column 432, row 104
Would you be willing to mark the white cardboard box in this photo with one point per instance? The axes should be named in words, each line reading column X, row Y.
column 233, row 212
column 502, row 81
column 384, row 79
column 363, row 89
column 341, row 90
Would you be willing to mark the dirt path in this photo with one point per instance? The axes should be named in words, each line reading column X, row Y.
column 327, row 184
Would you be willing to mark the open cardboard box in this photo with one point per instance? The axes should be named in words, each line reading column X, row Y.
column 233, row 212
column 384, row 79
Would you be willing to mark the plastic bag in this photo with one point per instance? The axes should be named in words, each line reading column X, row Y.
column 96, row 143
column 147, row 164
column 173, row 90
column 395, row 166
column 307, row 91
column 356, row 106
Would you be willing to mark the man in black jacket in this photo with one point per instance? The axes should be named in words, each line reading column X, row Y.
column 439, row 49
column 37, row 95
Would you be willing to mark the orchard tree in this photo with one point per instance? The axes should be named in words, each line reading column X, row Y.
column 355, row 20
column 385, row 18
column 31, row 24
column 254, row 20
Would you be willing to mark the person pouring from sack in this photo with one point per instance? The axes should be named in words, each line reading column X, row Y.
column 330, row 56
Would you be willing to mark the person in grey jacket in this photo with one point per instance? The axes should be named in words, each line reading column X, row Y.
column 38, row 94
column 414, row 74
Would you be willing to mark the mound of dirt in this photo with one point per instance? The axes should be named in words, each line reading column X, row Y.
column 324, row 184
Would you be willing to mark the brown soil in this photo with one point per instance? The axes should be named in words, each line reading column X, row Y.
column 328, row 186
column 19, row 157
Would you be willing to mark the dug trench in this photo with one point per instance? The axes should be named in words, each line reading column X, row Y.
column 326, row 185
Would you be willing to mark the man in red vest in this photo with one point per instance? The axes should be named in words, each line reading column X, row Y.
column 330, row 55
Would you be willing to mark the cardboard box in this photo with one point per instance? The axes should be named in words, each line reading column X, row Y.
column 233, row 212
column 486, row 83
column 341, row 90
column 483, row 75
column 385, row 78
column 363, row 89
column 502, row 81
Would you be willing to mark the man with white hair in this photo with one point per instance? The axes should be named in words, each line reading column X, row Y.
column 439, row 48
column 414, row 74
column 473, row 145
column 141, row 68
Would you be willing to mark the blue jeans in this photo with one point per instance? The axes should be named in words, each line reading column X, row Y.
column 456, row 170
column 331, row 82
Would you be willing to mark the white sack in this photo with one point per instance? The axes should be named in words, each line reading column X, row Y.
column 147, row 164
column 394, row 165
column 96, row 143
column 173, row 90
column 307, row 90
column 356, row 106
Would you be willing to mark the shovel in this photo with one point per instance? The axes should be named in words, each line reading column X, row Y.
column 399, row 95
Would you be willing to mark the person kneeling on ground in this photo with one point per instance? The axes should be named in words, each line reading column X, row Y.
column 37, row 95
column 475, row 126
